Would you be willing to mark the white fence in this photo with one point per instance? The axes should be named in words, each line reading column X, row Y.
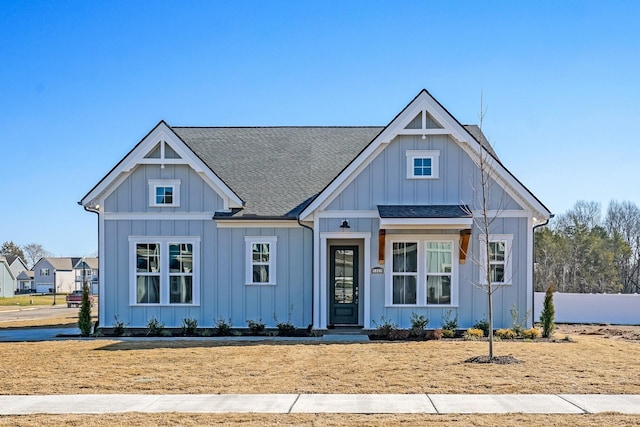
column 616, row 309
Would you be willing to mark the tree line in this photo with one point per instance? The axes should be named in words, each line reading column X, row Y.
column 29, row 253
column 581, row 251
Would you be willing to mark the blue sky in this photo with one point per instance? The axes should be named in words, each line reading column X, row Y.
column 82, row 82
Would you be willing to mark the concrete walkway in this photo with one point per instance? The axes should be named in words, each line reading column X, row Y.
column 322, row 403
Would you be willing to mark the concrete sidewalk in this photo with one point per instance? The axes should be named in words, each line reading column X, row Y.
column 322, row 403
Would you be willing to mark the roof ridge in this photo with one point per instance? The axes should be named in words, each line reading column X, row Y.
column 278, row 127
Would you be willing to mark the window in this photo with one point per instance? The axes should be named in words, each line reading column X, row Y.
column 439, row 272
column 261, row 257
column 405, row 272
column 44, row 272
column 499, row 259
column 164, row 192
column 423, row 164
column 165, row 270
column 423, row 271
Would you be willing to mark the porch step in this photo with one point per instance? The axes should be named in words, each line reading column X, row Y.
column 345, row 338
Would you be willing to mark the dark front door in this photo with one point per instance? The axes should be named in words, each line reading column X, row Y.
column 343, row 286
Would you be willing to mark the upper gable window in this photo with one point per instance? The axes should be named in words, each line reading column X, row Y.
column 164, row 192
column 423, row 164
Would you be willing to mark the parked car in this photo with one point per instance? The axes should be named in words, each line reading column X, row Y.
column 75, row 299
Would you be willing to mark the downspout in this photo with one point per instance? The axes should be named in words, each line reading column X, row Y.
column 97, row 212
column 310, row 327
column 533, row 271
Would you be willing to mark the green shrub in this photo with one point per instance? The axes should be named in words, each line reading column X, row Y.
column 473, row 334
column 119, row 327
column 506, row 334
column 448, row 333
column 448, row 323
column 530, row 334
column 155, row 328
column 548, row 314
column 285, row 329
column 482, row 325
column 84, row 316
column 189, row 326
column 256, row 327
column 385, row 328
column 223, row 328
column 418, row 325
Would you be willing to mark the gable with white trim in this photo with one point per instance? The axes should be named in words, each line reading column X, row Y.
column 423, row 125
column 160, row 156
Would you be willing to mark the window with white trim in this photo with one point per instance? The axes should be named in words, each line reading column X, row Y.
column 165, row 271
column 499, row 259
column 405, row 272
column 261, row 260
column 423, row 164
column 164, row 192
column 423, row 271
column 44, row 272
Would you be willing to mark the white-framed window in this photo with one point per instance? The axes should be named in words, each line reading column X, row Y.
column 500, row 247
column 423, row 270
column 261, row 260
column 45, row 272
column 423, row 164
column 164, row 192
column 165, row 270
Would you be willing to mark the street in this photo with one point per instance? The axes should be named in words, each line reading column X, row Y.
column 36, row 312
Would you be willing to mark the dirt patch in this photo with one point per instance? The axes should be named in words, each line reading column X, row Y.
column 617, row 332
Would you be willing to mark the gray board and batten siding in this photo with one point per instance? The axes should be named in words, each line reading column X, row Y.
column 223, row 292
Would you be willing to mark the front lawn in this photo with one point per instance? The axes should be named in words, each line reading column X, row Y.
column 26, row 300
column 589, row 364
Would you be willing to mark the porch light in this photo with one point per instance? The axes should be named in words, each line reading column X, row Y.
column 345, row 224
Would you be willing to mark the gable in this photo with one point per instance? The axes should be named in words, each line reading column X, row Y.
column 160, row 147
column 384, row 180
column 423, row 119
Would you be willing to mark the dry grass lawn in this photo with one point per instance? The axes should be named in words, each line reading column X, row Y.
column 261, row 420
column 590, row 364
column 599, row 360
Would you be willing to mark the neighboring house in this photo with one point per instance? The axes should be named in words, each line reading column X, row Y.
column 320, row 226
column 25, row 282
column 7, row 279
column 55, row 273
column 86, row 271
column 17, row 265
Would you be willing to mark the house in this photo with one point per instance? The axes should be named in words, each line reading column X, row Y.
column 7, row 279
column 25, row 282
column 17, row 266
column 55, row 274
column 86, row 271
column 320, row 226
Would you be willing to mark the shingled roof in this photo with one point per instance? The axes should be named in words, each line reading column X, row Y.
column 277, row 171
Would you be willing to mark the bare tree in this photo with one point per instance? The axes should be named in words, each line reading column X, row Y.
column 34, row 252
column 488, row 208
column 623, row 219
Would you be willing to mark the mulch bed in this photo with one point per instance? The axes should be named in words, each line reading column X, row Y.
column 499, row 360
